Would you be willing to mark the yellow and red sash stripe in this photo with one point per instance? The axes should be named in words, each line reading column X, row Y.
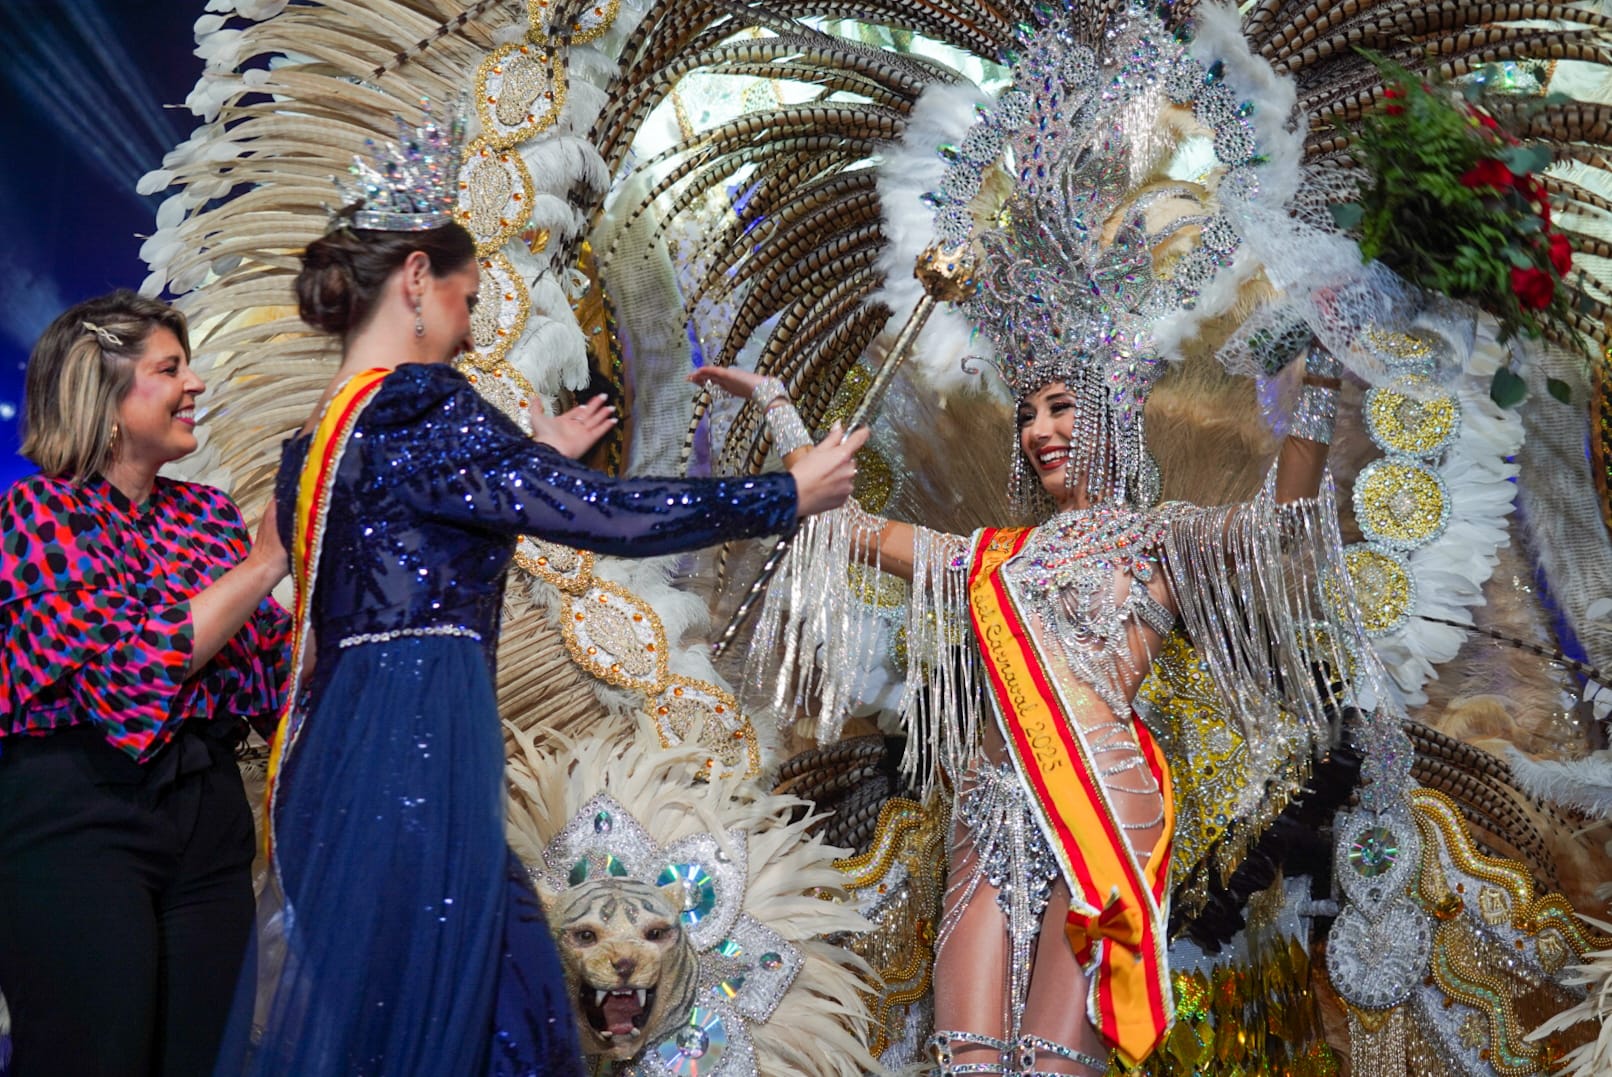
column 313, row 493
column 1115, row 922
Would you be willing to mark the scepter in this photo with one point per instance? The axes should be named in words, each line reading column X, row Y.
column 947, row 276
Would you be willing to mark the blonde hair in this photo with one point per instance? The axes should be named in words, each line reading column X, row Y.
column 79, row 372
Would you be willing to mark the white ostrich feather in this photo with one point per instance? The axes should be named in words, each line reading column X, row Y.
column 1583, row 785
column 557, row 215
column 1450, row 572
column 907, row 170
column 559, row 160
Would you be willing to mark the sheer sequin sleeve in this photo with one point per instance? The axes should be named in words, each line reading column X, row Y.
column 457, row 458
column 464, row 462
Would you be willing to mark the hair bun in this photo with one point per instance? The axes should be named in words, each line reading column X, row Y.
column 344, row 273
column 327, row 287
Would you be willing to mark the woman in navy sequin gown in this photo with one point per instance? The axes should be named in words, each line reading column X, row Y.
column 412, row 944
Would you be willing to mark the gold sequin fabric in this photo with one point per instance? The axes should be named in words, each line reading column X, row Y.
column 1383, row 587
column 1412, row 416
column 897, row 884
column 1208, row 769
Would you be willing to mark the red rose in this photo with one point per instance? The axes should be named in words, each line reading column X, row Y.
column 1488, row 173
column 1561, row 254
column 1533, row 288
column 1394, row 93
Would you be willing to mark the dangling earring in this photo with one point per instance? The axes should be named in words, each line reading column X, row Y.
column 419, row 322
column 1016, row 492
column 112, row 442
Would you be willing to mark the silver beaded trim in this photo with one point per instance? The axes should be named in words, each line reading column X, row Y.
column 943, row 1044
column 402, row 633
column 767, row 390
column 1321, row 363
column 1028, row 1047
column 391, row 221
column 788, row 432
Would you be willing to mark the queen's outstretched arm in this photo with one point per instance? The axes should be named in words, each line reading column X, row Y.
column 894, row 549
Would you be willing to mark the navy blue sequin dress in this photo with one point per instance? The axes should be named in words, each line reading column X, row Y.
column 414, row 945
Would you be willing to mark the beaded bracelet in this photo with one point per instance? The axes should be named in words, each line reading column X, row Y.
column 1317, row 411
column 788, row 431
column 767, row 390
column 1320, row 363
column 1316, row 414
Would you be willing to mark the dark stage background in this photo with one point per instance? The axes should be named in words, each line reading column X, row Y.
column 91, row 97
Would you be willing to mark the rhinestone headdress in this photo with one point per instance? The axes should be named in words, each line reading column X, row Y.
column 1068, row 272
column 410, row 185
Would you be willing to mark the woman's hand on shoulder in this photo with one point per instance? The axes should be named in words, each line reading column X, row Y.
column 577, row 430
column 824, row 474
column 732, row 380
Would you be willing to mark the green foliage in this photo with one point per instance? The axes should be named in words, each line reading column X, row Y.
column 1453, row 205
column 1507, row 389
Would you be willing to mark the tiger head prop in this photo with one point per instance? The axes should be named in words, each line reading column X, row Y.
column 628, row 961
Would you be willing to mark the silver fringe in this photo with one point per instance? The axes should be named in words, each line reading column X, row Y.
column 821, row 631
column 1265, row 599
column 995, row 816
column 1262, row 593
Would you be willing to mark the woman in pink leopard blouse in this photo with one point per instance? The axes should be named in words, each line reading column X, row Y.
column 139, row 642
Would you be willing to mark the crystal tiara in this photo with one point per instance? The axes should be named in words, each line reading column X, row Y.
column 410, row 185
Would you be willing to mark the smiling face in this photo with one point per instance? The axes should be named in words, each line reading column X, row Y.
column 1046, row 437
column 157, row 417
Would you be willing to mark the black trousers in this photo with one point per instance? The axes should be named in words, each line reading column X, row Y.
column 125, row 902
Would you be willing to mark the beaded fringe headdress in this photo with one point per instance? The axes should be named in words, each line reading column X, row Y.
column 1068, row 288
column 410, row 185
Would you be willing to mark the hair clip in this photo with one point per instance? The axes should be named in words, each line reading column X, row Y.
column 107, row 338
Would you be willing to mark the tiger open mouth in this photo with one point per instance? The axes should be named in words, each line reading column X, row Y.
column 619, row 1011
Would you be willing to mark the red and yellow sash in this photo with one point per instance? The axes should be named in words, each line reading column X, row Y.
column 1116, row 918
column 313, row 502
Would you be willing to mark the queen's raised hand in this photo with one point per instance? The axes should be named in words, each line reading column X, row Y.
column 740, row 383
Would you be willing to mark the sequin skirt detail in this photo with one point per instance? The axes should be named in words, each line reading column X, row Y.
column 408, row 941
